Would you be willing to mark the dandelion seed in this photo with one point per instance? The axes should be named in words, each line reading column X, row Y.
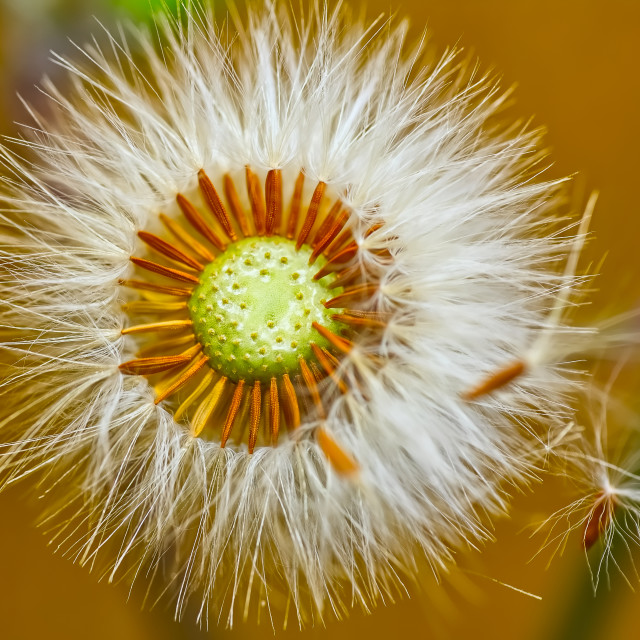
column 606, row 512
column 242, row 293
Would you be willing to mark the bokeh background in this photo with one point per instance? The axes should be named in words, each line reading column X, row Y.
column 576, row 66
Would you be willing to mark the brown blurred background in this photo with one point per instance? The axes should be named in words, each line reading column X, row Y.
column 576, row 64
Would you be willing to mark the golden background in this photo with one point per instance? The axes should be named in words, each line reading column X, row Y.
column 576, row 65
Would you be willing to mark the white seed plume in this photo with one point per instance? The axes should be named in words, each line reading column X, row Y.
column 414, row 143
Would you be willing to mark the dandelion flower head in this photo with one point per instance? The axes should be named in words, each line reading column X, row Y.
column 270, row 297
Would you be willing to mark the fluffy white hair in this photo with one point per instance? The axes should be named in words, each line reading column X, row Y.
column 413, row 141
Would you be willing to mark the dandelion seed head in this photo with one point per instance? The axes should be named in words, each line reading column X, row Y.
column 247, row 287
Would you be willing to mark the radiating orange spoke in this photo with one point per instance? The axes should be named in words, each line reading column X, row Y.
column 207, row 407
column 148, row 366
column 158, row 288
column 151, row 306
column 312, row 386
column 294, row 209
column 326, row 224
column 312, row 212
column 199, row 223
column 168, row 325
column 168, row 250
column 496, row 380
column 302, row 396
column 332, row 359
column 274, row 405
column 343, row 256
column 256, row 405
column 182, row 379
column 339, row 343
column 356, row 318
column 317, row 374
column 339, row 459
column 257, row 201
column 215, row 204
column 329, row 234
column 290, row 404
column 273, row 189
column 329, row 367
column 346, row 276
column 357, row 292
column 234, row 204
column 337, row 244
column 167, row 272
column 186, row 238
column 199, row 390
column 233, row 412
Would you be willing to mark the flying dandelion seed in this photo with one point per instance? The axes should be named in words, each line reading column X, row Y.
column 606, row 511
column 279, row 311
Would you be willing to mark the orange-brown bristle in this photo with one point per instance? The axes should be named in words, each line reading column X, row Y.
column 182, row 379
column 232, row 413
column 149, row 366
column 274, row 415
column 328, row 365
column 273, row 189
column 291, row 406
column 355, row 318
column 216, row 205
column 358, row 292
column 496, row 380
column 168, row 250
column 234, row 204
column 167, row 272
column 326, row 235
column 257, row 201
column 312, row 212
column 142, row 285
column 342, row 344
column 196, row 220
column 187, row 240
column 339, row 459
column 338, row 260
column 256, row 406
column 294, row 209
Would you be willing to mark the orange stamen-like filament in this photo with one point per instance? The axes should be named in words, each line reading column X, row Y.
column 339, row 459
column 257, row 201
column 233, row 412
column 236, row 208
column 256, row 406
column 215, row 204
column 273, row 188
column 294, row 209
column 496, row 380
column 199, row 223
column 312, row 212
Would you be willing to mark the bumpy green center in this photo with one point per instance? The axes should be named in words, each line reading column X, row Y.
column 253, row 309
